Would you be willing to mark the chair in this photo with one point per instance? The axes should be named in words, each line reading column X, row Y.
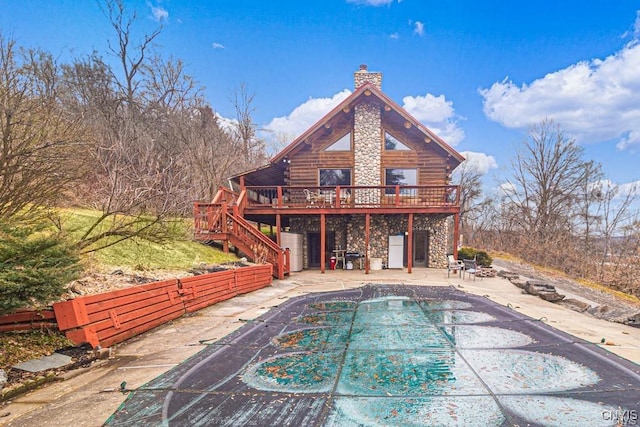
column 340, row 257
column 345, row 196
column 455, row 265
column 472, row 267
column 312, row 198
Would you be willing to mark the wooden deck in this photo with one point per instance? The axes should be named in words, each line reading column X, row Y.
column 225, row 218
column 352, row 199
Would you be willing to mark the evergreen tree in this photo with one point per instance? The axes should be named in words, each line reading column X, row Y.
column 35, row 265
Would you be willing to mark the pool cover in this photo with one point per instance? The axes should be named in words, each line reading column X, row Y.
column 392, row 355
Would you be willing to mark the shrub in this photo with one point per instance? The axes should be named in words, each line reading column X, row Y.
column 482, row 257
column 35, row 265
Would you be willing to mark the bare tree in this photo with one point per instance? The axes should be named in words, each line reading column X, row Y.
column 38, row 137
column 137, row 172
column 245, row 130
column 211, row 151
column 543, row 197
column 612, row 247
column 472, row 207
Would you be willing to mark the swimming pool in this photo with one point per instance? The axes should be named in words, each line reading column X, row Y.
column 392, row 355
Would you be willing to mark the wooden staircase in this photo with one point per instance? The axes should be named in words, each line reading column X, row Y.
column 223, row 221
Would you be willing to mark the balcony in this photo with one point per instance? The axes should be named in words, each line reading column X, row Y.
column 352, row 199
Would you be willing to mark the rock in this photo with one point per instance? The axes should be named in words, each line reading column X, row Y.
column 519, row 283
column 3, row 378
column 551, row 296
column 535, row 288
column 633, row 320
column 486, row 272
column 575, row 305
column 508, row 275
column 76, row 290
column 599, row 311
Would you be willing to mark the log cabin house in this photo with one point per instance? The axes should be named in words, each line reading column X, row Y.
column 367, row 184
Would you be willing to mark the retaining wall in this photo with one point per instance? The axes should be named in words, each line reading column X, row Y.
column 112, row 317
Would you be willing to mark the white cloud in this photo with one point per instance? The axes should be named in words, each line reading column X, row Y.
column 507, row 188
column 159, row 13
column 230, row 125
column 437, row 114
column 394, row 36
column 593, row 101
column 636, row 25
column 621, row 190
column 217, row 45
column 418, row 28
column 374, row 3
column 305, row 115
column 631, row 188
column 479, row 162
column 631, row 141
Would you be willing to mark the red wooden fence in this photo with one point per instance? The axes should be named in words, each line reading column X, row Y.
column 112, row 317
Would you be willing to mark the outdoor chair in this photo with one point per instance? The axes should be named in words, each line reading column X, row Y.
column 455, row 265
column 345, row 196
column 471, row 267
column 312, row 198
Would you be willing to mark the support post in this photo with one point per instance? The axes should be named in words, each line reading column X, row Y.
column 456, row 234
column 281, row 261
column 278, row 228
column 367, row 230
column 287, row 258
column 323, row 243
column 410, row 244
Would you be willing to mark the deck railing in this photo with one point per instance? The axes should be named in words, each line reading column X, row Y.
column 354, row 196
column 221, row 221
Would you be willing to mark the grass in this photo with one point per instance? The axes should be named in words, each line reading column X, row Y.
column 177, row 253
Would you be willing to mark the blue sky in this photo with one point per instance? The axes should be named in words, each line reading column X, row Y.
column 478, row 73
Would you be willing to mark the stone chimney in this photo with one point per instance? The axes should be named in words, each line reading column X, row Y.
column 363, row 76
column 367, row 142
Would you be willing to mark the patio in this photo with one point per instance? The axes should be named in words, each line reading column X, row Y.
column 138, row 361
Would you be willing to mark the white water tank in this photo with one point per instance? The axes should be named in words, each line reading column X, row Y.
column 293, row 241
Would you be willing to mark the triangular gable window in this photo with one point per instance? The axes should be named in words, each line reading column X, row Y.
column 343, row 144
column 391, row 143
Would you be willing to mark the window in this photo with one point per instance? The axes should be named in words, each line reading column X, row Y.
column 333, row 177
column 342, row 144
column 401, row 177
column 391, row 143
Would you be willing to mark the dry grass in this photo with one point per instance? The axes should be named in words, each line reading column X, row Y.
column 18, row 347
column 559, row 274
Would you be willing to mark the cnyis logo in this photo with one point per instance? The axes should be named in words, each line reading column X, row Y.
column 622, row 417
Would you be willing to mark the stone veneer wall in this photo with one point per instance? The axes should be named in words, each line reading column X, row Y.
column 307, row 223
column 350, row 233
column 367, row 145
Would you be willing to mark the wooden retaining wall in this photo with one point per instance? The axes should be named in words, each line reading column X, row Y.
column 25, row 320
column 112, row 317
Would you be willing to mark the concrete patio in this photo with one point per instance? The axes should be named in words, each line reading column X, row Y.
column 90, row 398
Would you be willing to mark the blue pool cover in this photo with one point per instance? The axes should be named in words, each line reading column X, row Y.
column 392, row 355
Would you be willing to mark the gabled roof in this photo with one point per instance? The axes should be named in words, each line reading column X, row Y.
column 367, row 90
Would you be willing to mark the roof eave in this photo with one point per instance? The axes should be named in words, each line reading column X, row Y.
column 346, row 102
